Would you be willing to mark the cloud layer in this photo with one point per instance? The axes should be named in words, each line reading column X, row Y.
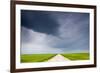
column 54, row 32
column 36, row 42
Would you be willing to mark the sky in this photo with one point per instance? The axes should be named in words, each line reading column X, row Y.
column 54, row 32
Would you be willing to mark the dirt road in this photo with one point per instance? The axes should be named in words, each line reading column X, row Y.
column 58, row 58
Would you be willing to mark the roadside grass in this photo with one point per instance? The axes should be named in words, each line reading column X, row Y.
column 28, row 58
column 77, row 56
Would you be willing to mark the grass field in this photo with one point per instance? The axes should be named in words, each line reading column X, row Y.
column 35, row 57
column 77, row 56
column 28, row 58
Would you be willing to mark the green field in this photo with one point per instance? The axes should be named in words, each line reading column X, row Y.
column 36, row 57
column 77, row 56
column 28, row 58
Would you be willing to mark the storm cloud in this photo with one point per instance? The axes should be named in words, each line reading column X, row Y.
column 54, row 32
column 39, row 21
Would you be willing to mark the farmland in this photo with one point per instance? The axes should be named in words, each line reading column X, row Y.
column 28, row 58
column 36, row 57
column 77, row 56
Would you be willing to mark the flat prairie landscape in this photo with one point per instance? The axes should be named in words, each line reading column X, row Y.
column 77, row 56
column 28, row 58
column 54, row 36
column 36, row 57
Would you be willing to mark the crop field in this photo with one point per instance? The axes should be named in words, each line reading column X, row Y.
column 77, row 56
column 28, row 58
column 35, row 57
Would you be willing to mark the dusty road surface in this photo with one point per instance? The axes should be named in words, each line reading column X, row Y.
column 58, row 58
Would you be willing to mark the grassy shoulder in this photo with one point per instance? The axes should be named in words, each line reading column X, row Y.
column 77, row 56
column 35, row 57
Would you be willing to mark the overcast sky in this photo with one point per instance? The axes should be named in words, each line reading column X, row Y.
column 54, row 32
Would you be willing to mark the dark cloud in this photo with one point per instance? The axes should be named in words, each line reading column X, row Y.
column 40, row 27
column 74, row 30
column 39, row 21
